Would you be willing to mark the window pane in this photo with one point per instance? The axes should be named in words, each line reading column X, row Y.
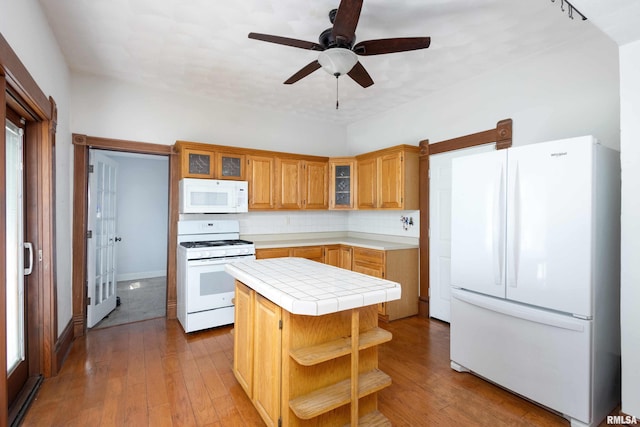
column 14, row 248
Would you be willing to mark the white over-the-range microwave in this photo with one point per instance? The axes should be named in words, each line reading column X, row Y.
column 213, row 196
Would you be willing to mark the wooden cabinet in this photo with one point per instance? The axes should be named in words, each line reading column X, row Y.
column 256, row 351
column 388, row 179
column 309, row 370
column 392, row 180
column 314, row 253
column 267, row 347
column 342, row 183
column 384, row 179
column 230, row 166
column 302, row 184
column 290, row 184
column 260, row 174
column 338, row 256
column 368, row 183
column 266, row 253
column 197, row 163
column 243, row 337
column 398, row 266
column 316, row 185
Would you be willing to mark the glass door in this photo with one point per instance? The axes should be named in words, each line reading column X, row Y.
column 16, row 270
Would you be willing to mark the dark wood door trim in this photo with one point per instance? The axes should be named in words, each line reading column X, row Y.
column 21, row 92
column 20, row 81
column 82, row 144
column 501, row 135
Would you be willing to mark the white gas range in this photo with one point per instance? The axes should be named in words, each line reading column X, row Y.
column 205, row 290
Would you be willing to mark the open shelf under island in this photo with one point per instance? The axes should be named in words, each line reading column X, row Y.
column 305, row 341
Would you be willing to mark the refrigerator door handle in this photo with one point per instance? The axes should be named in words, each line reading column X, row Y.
column 498, row 231
column 520, row 312
column 515, row 249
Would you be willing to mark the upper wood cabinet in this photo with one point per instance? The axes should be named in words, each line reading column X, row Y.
column 388, row 179
column 290, row 185
column 197, row 163
column 316, row 184
column 230, row 166
column 260, row 174
column 384, row 179
column 302, row 184
column 342, row 183
column 368, row 183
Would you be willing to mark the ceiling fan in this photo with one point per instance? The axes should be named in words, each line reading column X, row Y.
column 338, row 50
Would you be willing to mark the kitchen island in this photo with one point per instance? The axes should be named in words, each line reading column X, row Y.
column 305, row 341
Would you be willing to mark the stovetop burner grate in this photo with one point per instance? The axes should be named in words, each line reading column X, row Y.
column 215, row 243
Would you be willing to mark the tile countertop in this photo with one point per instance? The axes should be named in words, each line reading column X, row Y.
column 306, row 287
column 363, row 240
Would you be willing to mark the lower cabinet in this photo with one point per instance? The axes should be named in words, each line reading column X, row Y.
column 398, row 266
column 308, row 370
column 314, row 253
column 338, row 256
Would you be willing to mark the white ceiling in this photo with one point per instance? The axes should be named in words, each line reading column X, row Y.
column 201, row 47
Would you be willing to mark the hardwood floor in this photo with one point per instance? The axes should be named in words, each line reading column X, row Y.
column 151, row 373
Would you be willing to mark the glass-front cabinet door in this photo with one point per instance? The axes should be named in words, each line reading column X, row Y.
column 342, row 181
column 197, row 163
column 230, row 166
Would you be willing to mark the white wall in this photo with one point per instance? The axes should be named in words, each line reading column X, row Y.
column 142, row 205
column 114, row 109
column 570, row 90
column 24, row 26
column 630, row 244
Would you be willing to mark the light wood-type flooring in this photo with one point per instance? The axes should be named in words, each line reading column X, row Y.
column 151, row 373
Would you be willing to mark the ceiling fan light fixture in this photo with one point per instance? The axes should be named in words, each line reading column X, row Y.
column 337, row 60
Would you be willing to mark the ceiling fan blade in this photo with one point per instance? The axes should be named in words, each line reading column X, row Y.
column 360, row 75
column 304, row 72
column 346, row 20
column 286, row 41
column 381, row 46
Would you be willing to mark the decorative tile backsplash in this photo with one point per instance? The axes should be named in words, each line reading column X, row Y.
column 394, row 223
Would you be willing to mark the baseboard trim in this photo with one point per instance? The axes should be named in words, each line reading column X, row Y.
column 78, row 325
column 423, row 307
column 140, row 275
column 62, row 347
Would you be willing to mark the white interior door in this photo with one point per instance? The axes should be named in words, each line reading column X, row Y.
column 101, row 257
column 440, row 229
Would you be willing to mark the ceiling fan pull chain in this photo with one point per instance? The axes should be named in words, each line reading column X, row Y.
column 337, row 94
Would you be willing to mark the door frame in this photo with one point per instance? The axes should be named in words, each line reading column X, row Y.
column 82, row 144
column 501, row 135
column 47, row 348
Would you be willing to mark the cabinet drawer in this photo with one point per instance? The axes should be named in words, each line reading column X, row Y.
column 369, row 256
column 314, row 253
column 272, row 253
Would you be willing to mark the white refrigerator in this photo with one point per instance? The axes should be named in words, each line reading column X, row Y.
column 535, row 270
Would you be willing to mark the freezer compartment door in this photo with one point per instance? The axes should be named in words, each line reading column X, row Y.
column 549, row 225
column 543, row 356
column 478, row 217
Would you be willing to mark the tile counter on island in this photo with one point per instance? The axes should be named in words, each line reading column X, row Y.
column 305, row 341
